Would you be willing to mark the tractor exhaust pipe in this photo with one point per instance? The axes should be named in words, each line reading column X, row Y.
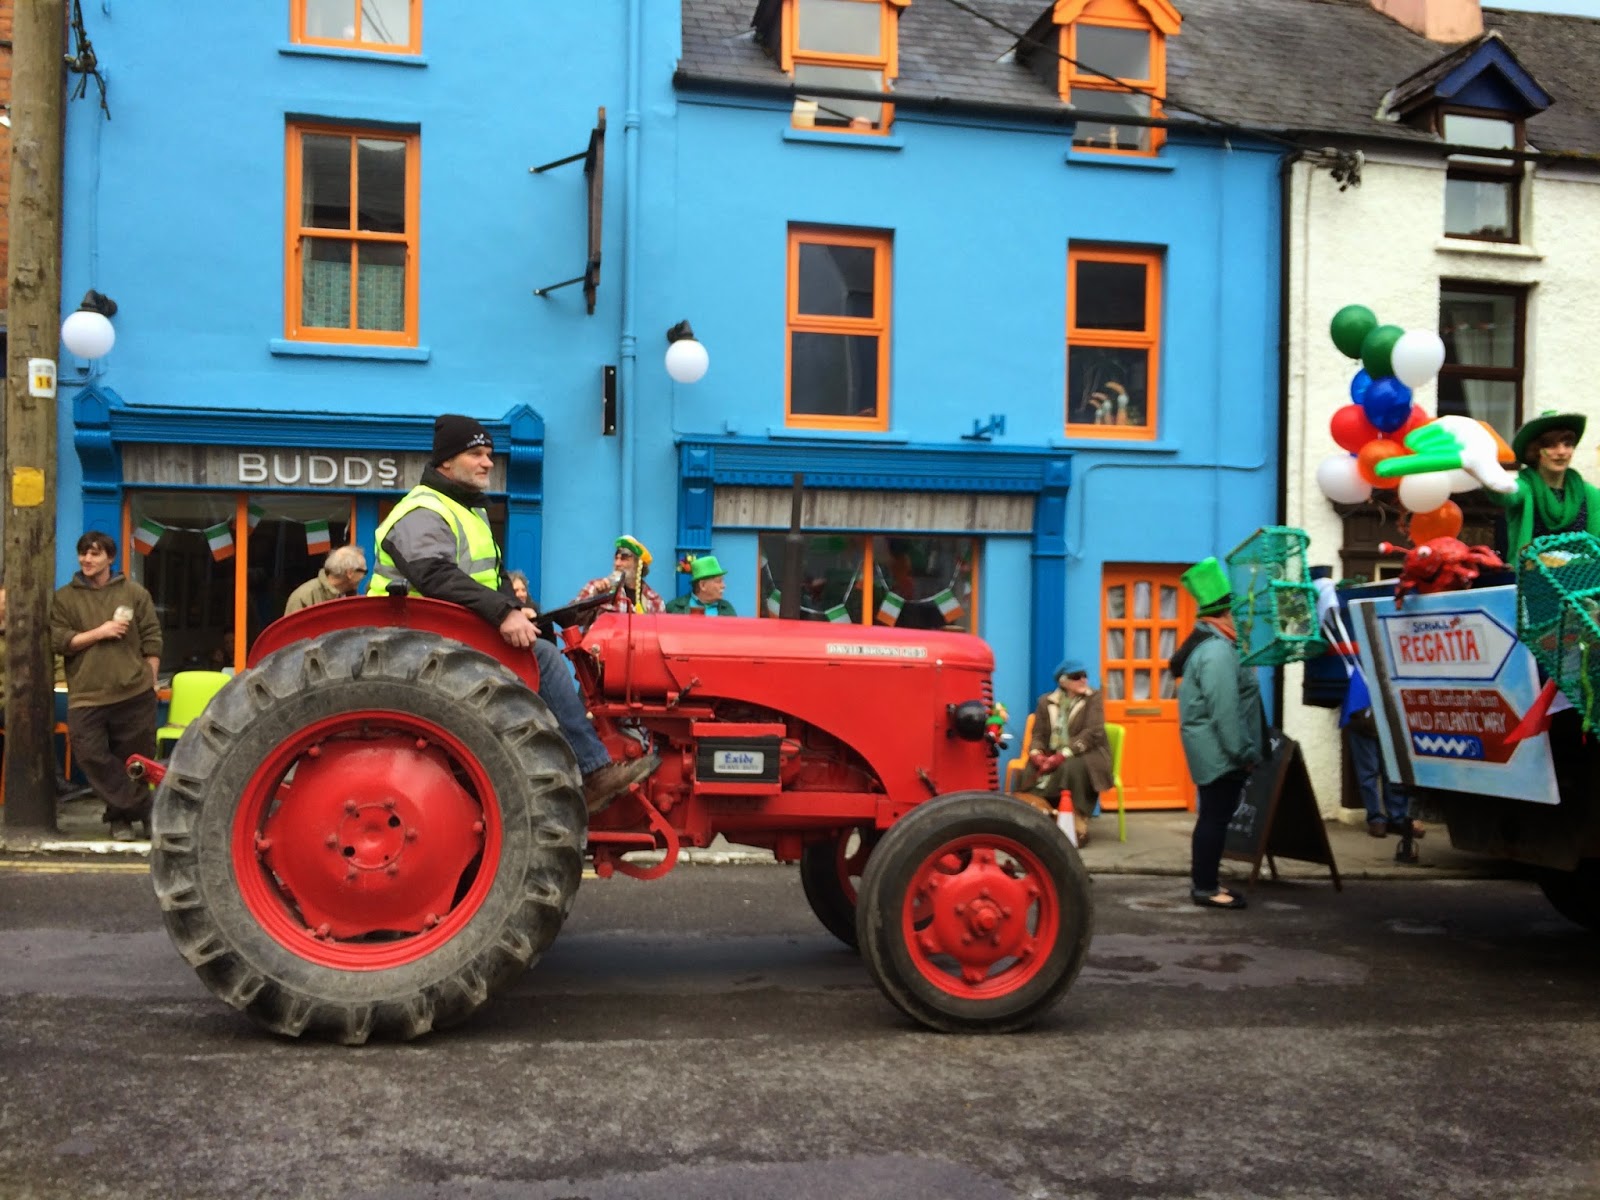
column 794, row 555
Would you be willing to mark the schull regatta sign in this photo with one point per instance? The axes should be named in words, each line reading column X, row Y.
column 1446, row 645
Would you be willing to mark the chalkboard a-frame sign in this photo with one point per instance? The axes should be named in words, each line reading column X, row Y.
column 1278, row 816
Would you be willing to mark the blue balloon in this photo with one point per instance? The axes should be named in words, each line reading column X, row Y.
column 1359, row 386
column 1387, row 403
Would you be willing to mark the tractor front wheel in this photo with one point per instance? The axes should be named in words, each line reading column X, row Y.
column 367, row 834
column 1575, row 894
column 975, row 914
column 830, row 874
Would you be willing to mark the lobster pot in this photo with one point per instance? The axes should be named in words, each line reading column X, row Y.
column 1558, row 615
column 1274, row 602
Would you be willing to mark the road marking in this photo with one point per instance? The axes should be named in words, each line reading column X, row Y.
column 36, row 866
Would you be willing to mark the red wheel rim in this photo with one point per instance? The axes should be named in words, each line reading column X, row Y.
column 366, row 841
column 981, row 917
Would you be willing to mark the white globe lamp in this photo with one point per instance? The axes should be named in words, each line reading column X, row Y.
column 88, row 333
column 687, row 360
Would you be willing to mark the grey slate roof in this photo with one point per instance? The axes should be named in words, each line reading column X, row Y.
column 1319, row 66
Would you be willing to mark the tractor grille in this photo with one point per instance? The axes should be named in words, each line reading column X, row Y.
column 994, row 763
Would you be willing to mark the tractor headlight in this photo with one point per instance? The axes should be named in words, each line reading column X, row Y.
column 968, row 720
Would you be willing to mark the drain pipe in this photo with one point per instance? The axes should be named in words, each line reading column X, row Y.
column 629, row 342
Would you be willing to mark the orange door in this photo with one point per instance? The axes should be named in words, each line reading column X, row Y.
column 1145, row 613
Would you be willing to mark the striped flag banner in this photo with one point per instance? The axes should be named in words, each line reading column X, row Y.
column 948, row 605
column 889, row 610
column 317, row 539
column 838, row 614
column 774, row 602
column 146, row 534
column 256, row 513
column 220, row 539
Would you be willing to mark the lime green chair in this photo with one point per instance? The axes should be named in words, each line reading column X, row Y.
column 1114, row 739
column 191, row 692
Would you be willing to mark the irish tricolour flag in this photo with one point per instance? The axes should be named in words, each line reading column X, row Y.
column 220, row 539
column 889, row 610
column 949, row 606
column 317, row 539
column 146, row 534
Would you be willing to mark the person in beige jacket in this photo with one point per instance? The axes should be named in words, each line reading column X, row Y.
column 104, row 626
column 1068, row 752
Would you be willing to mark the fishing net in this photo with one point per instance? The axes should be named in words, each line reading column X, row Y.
column 1274, row 603
column 1558, row 615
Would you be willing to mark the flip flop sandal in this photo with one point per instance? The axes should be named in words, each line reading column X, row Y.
column 1216, row 901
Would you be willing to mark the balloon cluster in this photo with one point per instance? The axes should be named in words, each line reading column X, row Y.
column 1381, row 415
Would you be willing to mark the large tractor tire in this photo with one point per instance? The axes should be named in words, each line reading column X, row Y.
column 975, row 914
column 830, row 874
column 1575, row 894
column 367, row 835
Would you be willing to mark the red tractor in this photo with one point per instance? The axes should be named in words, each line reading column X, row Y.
column 378, row 825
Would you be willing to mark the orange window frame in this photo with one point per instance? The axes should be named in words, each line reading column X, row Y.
column 1090, row 82
column 1147, row 339
column 877, row 325
column 412, row 44
column 886, row 60
column 296, row 235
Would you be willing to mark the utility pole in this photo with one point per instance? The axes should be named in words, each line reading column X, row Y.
column 34, row 274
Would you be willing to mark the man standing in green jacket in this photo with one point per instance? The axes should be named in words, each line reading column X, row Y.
column 105, row 628
column 1220, row 723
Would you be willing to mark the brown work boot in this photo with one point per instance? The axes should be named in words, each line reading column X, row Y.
column 604, row 784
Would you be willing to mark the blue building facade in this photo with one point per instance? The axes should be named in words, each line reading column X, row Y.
column 276, row 370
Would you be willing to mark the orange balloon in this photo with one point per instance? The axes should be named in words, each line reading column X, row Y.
column 1373, row 453
column 1444, row 521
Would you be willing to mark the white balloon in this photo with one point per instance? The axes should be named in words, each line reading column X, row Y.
column 88, row 334
column 1461, row 481
column 1424, row 493
column 687, row 360
column 1417, row 357
column 1340, row 480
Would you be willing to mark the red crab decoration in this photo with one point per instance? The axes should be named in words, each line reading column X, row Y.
column 1441, row 564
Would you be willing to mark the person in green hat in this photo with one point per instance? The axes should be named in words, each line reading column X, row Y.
column 1220, row 723
column 1551, row 497
column 707, row 580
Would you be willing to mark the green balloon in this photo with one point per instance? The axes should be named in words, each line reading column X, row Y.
column 1377, row 347
column 1350, row 327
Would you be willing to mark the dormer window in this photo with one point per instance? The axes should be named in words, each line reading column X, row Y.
column 1113, row 63
column 1482, row 194
column 850, row 45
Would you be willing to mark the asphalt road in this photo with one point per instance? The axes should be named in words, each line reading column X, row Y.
column 701, row 1037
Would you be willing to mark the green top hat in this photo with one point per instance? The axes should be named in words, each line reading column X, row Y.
column 1542, row 424
column 705, row 567
column 1208, row 583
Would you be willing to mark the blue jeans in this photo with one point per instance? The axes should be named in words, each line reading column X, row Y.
column 1377, row 793
column 559, row 691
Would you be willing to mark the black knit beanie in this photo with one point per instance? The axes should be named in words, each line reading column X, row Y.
column 453, row 433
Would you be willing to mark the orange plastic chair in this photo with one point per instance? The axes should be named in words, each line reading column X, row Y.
column 1015, row 766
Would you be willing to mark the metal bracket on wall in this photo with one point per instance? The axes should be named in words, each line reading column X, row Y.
column 983, row 432
column 594, row 169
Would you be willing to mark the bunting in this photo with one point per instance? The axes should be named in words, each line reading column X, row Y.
column 220, row 539
column 949, row 606
column 318, row 540
column 146, row 534
column 889, row 611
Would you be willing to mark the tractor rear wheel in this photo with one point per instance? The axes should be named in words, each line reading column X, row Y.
column 830, row 874
column 1575, row 894
column 975, row 914
column 368, row 834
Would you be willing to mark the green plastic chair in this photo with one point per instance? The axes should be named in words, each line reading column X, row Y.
column 1114, row 738
column 191, row 692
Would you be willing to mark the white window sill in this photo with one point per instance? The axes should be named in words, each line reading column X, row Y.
column 859, row 141
column 375, row 56
column 1451, row 245
column 286, row 348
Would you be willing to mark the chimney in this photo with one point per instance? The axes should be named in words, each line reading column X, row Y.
column 1449, row 21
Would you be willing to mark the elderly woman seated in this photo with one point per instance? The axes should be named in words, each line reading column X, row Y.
column 1068, row 752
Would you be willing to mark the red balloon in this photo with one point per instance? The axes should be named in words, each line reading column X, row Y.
column 1373, row 453
column 1416, row 420
column 1444, row 521
column 1351, row 429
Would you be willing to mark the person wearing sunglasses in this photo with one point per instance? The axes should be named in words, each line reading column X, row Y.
column 1068, row 754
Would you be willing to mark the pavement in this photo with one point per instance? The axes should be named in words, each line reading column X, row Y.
column 1157, row 844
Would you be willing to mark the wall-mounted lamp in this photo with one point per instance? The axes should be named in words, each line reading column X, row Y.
column 687, row 359
column 88, row 332
column 5, row 115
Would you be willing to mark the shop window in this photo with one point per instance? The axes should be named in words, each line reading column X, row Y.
column 1113, row 342
column 1114, row 62
column 1482, row 195
column 850, row 45
column 838, row 329
column 1482, row 326
column 909, row 581
column 391, row 26
column 351, row 247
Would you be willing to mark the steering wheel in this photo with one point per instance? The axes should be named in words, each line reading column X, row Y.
column 580, row 612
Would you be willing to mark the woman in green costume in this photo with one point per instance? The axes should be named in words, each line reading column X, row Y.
column 1551, row 497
